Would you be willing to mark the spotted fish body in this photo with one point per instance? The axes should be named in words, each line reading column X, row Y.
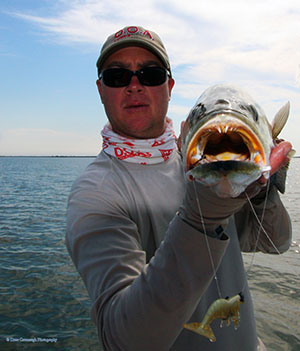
column 227, row 140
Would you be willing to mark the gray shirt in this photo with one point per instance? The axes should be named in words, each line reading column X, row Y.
column 148, row 272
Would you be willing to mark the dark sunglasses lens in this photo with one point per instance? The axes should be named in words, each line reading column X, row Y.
column 117, row 77
column 121, row 77
column 152, row 76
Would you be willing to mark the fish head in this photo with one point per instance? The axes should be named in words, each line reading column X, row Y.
column 226, row 141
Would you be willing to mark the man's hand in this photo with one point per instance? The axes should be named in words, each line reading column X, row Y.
column 202, row 208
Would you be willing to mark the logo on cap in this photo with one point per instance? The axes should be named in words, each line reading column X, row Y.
column 129, row 31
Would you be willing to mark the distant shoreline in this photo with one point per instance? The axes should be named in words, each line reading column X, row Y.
column 54, row 156
column 63, row 156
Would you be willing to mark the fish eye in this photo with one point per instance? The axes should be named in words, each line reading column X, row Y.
column 254, row 112
column 251, row 109
column 222, row 102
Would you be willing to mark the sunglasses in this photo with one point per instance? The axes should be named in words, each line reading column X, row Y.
column 121, row 77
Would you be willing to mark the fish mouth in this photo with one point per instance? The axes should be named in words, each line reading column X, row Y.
column 225, row 138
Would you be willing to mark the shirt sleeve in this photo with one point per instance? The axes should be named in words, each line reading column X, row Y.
column 137, row 306
column 275, row 234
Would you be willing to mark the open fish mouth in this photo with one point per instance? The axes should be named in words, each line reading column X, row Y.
column 225, row 138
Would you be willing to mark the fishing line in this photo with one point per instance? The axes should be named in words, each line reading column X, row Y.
column 207, row 243
column 261, row 228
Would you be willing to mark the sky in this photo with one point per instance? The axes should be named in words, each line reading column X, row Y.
column 49, row 104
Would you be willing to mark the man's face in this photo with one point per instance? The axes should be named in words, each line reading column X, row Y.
column 135, row 111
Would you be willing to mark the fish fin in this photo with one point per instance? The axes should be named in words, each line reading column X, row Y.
column 199, row 328
column 280, row 119
column 279, row 178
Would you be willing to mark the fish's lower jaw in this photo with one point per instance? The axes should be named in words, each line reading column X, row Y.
column 226, row 178
column 199, row 328
column 225, row 189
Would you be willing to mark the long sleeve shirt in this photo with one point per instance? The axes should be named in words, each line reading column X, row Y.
column 148, row 272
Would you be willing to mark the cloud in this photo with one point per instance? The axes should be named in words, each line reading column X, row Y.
column 255, row 46
column 42, row 142
column 210, row 35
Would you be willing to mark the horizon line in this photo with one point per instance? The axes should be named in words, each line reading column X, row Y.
column 48, row 155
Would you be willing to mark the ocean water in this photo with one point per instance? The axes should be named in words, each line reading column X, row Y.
column 43, row 302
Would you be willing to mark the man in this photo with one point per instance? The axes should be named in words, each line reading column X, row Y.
column 133, row 230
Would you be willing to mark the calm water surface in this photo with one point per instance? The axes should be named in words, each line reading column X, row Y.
column 43, row 303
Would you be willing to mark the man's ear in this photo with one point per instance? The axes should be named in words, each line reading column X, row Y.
column 99, row 86
column 171, row 83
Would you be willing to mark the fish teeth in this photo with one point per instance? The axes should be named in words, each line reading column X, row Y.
column 226, row 129
column 255, row 155
column 196, row 158
column 219, row 130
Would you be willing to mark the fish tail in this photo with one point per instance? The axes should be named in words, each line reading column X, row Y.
column 199, row 328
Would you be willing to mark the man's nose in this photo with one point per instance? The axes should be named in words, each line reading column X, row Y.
column 134, row 85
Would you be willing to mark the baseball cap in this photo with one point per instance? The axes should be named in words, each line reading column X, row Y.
column 134, row 36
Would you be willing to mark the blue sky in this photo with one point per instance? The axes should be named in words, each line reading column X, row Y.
column 48, row 50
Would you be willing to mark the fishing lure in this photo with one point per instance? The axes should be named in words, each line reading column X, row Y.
column 226, row 309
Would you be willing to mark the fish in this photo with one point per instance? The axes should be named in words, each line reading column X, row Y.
column 227, row 139
column 227, row 309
